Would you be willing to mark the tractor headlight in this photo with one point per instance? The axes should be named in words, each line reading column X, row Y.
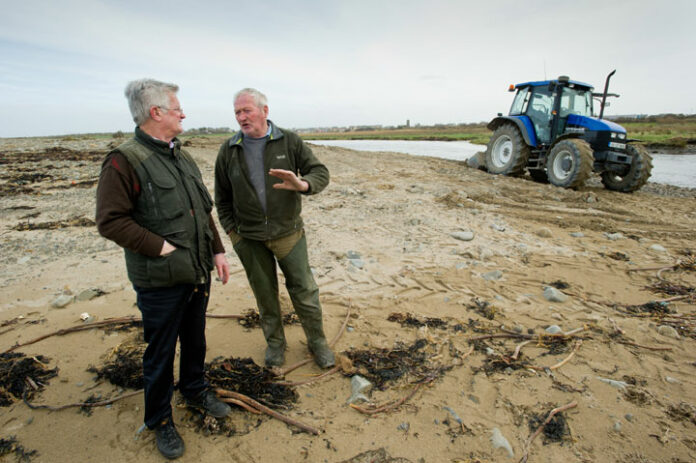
column 622, row 136
column 614, row 135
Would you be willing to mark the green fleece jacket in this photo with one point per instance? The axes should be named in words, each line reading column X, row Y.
column 238, row 205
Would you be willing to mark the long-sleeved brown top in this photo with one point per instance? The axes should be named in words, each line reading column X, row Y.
column 117, row 193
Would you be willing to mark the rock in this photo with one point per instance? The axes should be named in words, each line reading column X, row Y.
column 671, row 380
column 666, row 330
column 552, row 294
column 477, row 161
column 357, row 263
column 492, row 276
column 614, row 383
column 358, row 385
column 404, row 426
column 463, row 235
column 657, row 248
column 614, row 236
column 88, row 294
column 577, row 235
column 617, row 426
column 544, row 233
column 629, row 417
column 500, row 442
column 62, row 301
column 497, row 227
column 353, row 255
column 554, row 329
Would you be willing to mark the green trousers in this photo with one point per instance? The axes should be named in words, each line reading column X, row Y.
column 259, row 260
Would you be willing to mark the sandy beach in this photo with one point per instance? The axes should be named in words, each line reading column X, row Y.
column 467, row 270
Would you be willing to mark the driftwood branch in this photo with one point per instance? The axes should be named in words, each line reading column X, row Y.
column 560, row 364
column 539, row 429
column 251, row 402
column 311, row 380
column 83, row 404
column 86, row 326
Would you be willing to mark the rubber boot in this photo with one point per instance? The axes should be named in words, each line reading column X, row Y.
column 260, row 268
column 304, row 294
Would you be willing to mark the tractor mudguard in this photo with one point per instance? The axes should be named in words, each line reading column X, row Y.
column 523, row 123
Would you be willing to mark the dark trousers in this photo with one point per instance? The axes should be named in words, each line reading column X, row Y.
column 168, row 314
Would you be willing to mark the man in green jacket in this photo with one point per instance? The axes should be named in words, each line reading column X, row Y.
column 261, row 174
column 151, row 201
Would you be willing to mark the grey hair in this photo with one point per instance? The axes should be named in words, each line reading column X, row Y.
column 142, row 94
column 259, row 98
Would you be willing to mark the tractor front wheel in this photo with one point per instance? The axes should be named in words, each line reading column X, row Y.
column 507, row 152
column 569, row 163
column 637, row 174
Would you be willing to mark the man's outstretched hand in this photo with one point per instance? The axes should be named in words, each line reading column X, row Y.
column 290, row 180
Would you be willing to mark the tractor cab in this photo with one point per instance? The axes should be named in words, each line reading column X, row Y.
column 545, row 106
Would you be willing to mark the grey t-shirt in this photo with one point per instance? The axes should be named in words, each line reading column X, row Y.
column 253, row 155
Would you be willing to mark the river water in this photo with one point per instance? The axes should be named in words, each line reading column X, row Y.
column 670, row 169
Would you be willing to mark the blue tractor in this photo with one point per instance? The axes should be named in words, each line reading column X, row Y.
column 552, row 134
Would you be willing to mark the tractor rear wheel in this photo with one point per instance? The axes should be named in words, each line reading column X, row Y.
column 636, row 176
column 507, row 152
column 570, row 163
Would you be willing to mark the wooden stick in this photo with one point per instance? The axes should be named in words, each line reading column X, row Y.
column 643, row 347
column 519, row 346
column 285, row 371
column 86, row 326
column 84, row 404
column 307, row 381
column 547, row 421
column 266, row 410
column 387, row 406
column 239, row 403
column 560, row 364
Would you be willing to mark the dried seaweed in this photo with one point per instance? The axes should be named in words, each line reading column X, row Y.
column 559, row 284
column 10, row 445
column 554, row 431
column 252, row 319
column 652, row 307
column 124, row 364
column 71, row 222
column 411, row 320
column 384, row 366
column 244, row 376
column 671, row 289
column 22, row 376
column 483, row 308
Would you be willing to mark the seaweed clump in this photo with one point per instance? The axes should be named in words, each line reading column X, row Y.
column 244, row 376
column 384, row 366
column 10, row 445
column 21, row 376
column 554, row 431
column 411, row 320
column 124, row 364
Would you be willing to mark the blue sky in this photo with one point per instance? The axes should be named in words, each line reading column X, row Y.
column 64, row 64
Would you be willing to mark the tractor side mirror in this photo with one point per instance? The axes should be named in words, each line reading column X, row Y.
column 500, row 114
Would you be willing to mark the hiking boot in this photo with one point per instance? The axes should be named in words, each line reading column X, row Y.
column 275, row 356
column 322, row 353
column 169, row 442
column 208, row 402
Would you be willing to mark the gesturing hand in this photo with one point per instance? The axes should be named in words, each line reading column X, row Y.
column 290, row 180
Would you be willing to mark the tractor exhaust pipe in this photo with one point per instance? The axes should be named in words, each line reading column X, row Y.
column 604, row 95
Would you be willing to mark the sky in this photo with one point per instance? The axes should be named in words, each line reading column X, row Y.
column 64, row 64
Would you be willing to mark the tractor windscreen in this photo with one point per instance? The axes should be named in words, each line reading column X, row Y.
column 576, row 101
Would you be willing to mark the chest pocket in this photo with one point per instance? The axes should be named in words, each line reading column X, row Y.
column 163, row 197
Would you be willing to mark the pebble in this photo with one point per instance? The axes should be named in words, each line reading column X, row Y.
column 500, row 442
column 614, row 236
column 497, row 227
column 87, row 295
column 617, row 426
column 463, row 235
column 628, row 416
column 614, row 383
column 671, row 380
column 657, row 248
column 669, row 331
column 554, row 329
column 403, row 426
column 544, row 233
column 492, row 276
column 577, row 235
column 62, row 301
column 552, row 294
